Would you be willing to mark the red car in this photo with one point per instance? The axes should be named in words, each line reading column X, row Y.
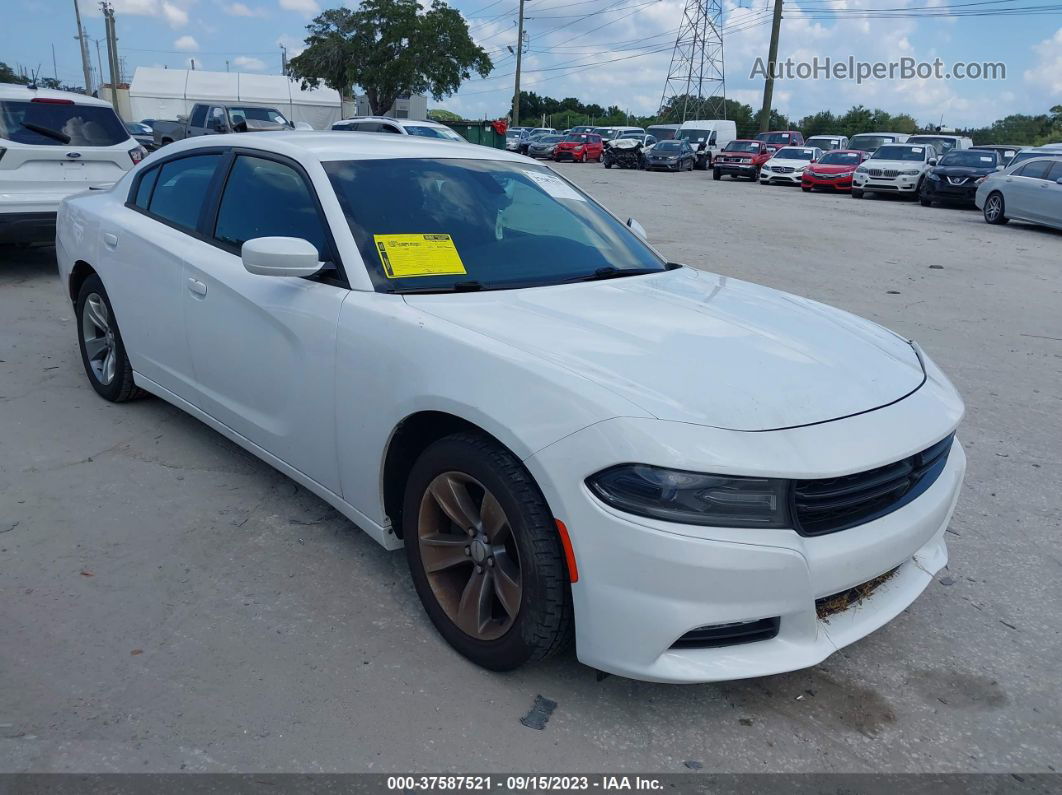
column 776, row 139
column 579, row 147
column 833, row 170
column 742, row 157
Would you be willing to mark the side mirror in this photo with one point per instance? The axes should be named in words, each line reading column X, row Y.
column 932, row 161
column 280, row 256
column 182, row 118
column 637, row 228
column 1058, row 181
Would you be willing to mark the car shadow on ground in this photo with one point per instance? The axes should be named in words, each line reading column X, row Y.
column 25, row 263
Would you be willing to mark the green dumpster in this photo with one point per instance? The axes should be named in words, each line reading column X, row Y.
column 478, row 132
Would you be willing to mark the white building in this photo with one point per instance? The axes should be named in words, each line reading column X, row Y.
column 167, row 93
column 410, row 106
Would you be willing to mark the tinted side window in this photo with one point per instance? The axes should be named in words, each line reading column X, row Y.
column 1037, row 169
column 387, row 128
column 143, row 189
column 264, row 198
column 1056, row 170
column 198, row 116
column 181, row 189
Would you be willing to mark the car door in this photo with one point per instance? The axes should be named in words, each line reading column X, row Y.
column 1052, row 205
column 1023, row 189
column 144, row 249
column 263, row 347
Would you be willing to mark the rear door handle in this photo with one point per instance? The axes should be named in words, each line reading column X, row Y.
column 110, row 239
column 196, row 287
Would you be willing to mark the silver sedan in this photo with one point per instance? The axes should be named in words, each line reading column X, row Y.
column 1029, row 191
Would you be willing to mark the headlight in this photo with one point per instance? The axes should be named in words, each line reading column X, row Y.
column 691, row 497
column 862, row 170
column 798, row 169
column 910, row 172
column 933, row 177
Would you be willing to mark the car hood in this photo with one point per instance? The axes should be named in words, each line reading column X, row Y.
column 833, row 168
column 691, row 346
column 897, row 164
column 963, row 171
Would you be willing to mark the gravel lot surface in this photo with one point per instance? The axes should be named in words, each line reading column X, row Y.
column 168, row 602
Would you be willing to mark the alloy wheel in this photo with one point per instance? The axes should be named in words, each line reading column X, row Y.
column 992, row 208
column 470, row 556
column 98, row 336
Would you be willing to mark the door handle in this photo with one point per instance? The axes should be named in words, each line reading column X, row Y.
column 110, row 239
column 196, row 287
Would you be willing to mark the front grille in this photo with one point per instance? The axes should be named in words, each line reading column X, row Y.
column 957, row 180
column 782, row 169
column 831, row 504
column 728, row 634
column 888, row 173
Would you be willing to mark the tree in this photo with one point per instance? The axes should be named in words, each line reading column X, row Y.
column 390, row 48
column 9, row 75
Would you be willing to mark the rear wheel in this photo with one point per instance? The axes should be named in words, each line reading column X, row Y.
column 484, row 553
column 102, row 349
column 995, row 208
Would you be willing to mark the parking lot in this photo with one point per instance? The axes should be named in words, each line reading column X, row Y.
column 168, row 602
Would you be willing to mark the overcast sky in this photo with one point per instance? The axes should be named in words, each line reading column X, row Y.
column 567, row 36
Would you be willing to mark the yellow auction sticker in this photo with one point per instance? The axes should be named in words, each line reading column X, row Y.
column 418, row 255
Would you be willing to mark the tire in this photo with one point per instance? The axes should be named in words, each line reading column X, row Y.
column 925, row 202
column 97, row 327
column 806, row 190
column 597, row 159
column 608, row 164
column 716, row 174
column 857, row 193
column 995, row 208
column 527, row 537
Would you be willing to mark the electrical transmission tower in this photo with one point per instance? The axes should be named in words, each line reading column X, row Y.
column 695, row 82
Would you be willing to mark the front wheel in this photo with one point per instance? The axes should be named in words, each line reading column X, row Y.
column 805, row 188
column 102, row 349
column 994, row 209
column 857, row 193
column 717, row 174
column 925, row 202
column 484, row 553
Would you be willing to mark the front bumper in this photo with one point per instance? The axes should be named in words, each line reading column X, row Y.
column 568, row 154
column 776, row 178
column 23, row 227
column 903, row 184
column 669, row 165
column 841, row 182
column 643, row 583
column 944, row 191
column 735, row 169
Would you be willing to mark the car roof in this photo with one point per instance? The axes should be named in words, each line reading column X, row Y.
column 878, row 133
column 330, row 145
column 17, row 91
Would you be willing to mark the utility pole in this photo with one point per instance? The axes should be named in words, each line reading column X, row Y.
column 112, row 49
column 55, row 69
column 768, row 85
column 519, row 54
column 283, row 60
column 82, row 39
column 99, row 61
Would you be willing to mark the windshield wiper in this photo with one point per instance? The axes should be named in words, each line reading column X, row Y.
column 456, row 287
column 611, row 272
column 47, row 132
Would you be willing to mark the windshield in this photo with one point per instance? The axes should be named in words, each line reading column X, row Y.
column 637, row 135
column 54, row 124
column 604, row 132
column 794, row 154
column 841, row 159
column 742, row 146
column 970, row 159
column 868, row 143
column 550, row 139
column 514, row 133
column 823, row 143
column 577, row 138
column 432, row 132
column 942, row 144
column 696, row 136
column 668, row 146
column 900, row 152
column 773, row 137
column 256, row 114
column 582, row 128
column 430, row 224
column 1022, row 156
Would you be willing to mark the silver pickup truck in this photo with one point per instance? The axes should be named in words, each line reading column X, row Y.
column 212, row 119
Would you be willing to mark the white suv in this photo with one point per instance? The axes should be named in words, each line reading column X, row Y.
column 385, row 124
column 54, row 144
column 894, row 168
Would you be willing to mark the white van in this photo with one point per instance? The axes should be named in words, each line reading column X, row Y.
column 868, row 142
column 828, row 143
column 943, row 143
column 707, row 137
column 54, row 144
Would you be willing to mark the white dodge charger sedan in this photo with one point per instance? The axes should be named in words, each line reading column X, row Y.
column 693, row 477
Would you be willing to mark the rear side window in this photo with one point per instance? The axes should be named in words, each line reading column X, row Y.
column 181, row 189
column 143, row 189
column 1037, row 169
column 60, row 124
column 198, row 116
column 1056, row 170
column 264, row 198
